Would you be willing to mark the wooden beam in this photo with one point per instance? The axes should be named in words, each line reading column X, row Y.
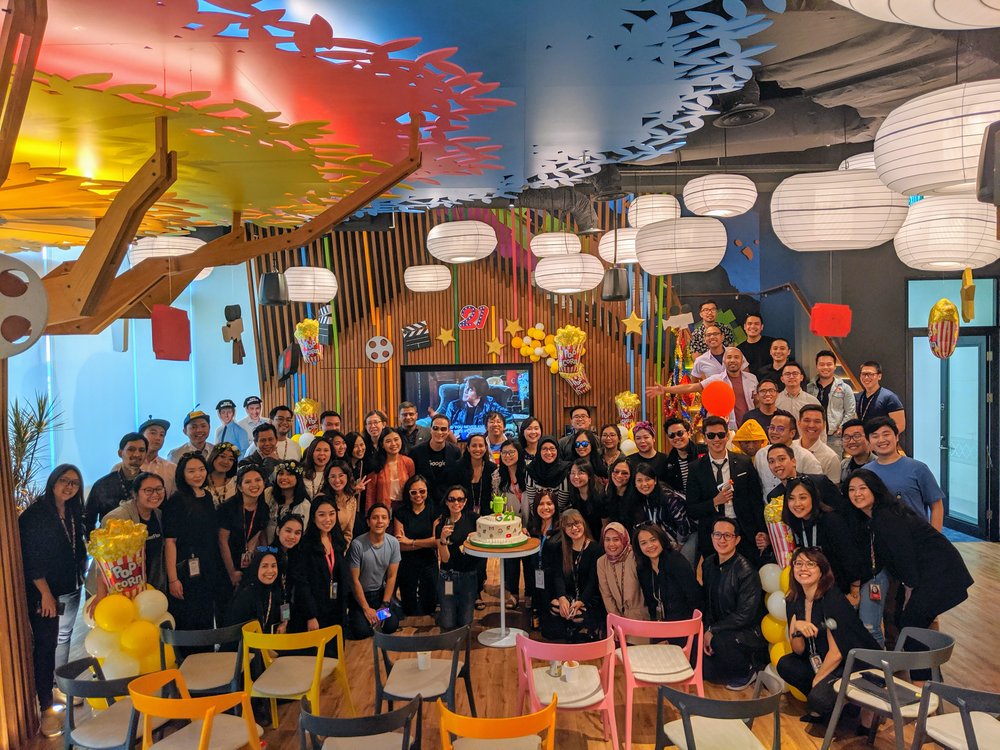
column 134, row 292
column 78, row 292
column 20, row 41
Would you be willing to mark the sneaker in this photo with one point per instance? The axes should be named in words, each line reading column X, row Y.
column 742, row 683
column 52, row 722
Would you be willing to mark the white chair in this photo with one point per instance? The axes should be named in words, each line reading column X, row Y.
column 972, row 727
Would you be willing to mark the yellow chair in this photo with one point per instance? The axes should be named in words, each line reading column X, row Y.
column 514, row 733
column 210, row 727
column 293, row 677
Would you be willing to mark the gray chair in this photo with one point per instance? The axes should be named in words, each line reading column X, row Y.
column 887, row 664
column 211, row 671
column 973, row 726
column 708, row 723
column 404, row 680
column 391, row 731
column 110, row 729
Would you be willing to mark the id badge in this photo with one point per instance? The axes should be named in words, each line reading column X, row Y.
column 539, row 578
column 816, row 661
column 449, row 588
column 245, row 559
column 875, row 592
column 333, row 589
column 194, row 567
column 286, row 613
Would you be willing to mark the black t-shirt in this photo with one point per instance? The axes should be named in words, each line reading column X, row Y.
column 764, row 420
column 243, row 526
column 769, row 373
column 657, row 462
column 458, row 561
column 154, row 548
column 193, row 523
column 758, row 354
column 439, row 468
column 417, row 526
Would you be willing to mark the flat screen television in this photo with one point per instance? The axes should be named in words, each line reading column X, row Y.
column 466, row 393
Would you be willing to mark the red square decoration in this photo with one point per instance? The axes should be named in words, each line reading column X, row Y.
column 171, row 333
column 833, row 321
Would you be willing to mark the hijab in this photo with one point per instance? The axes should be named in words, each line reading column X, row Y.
column 626, row 550
column 548, row 474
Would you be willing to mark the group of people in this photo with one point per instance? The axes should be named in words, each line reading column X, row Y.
column 365, row 528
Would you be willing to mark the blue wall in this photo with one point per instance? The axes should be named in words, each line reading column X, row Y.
column 103, row 393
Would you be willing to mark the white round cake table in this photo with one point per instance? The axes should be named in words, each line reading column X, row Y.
column 502, row 637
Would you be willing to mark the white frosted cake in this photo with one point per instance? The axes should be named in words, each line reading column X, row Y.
column 498, row 530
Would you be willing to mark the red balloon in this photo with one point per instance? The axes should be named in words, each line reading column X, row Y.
column 718, row 398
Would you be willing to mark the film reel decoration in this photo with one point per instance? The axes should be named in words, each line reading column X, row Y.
column 24, row 306
column 379, row 349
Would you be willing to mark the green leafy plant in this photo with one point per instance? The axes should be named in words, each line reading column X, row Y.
column 27, row 428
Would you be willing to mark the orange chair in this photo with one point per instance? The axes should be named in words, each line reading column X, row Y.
column 519, row 732
column 210, row 728
column 655, row 664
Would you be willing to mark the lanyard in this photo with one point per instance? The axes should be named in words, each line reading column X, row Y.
column 267, row 613
column 248, row 532
column 329, row 554
column 805, row 538
column 541, row 548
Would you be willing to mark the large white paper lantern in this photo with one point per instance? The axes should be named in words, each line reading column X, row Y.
column 931, row 14
column 864, row 160
column 948, row 233
column 930, row 145
column 625, row 251
column 688, row 244
column 569, row 274
column 844, row 210
column 720, row 195
column 166, row 247
column 427, row 278
column 310, row 284
column 649, row 209
column 461, row 241
column 555, row 243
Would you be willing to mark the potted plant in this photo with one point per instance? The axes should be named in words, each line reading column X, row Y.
column 28, row 426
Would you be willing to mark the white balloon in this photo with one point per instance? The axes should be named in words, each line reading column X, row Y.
column 99, row 643
column 539, row 351
column 770, row 578
column 167, row 617
column 776, row 605
column 150, row 605
column 549, row 361
column 118, row 664
column 629, row 447
column 306, row 439
column 539, row 326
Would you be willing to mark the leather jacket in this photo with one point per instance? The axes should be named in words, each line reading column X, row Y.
column 732, row 594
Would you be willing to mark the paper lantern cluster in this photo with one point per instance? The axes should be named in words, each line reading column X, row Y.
column 427, row 278
column 536, row 344
column 569, row 274
column 461, row 241
column 684, row 245
column 720, row 195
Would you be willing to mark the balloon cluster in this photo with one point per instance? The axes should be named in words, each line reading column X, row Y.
column 536, row 344
column 774, row 626
column 125, row 637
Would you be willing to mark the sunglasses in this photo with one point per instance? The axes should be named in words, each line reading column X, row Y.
column 715, row 435
column 456, row 498
column 582, row 444
column 676, row 434
column 440, row 429
column 272, row 550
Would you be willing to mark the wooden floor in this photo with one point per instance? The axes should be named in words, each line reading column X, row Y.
column 975, row 664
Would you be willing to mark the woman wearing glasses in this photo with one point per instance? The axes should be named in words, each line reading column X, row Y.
column 326, row 579
column 259, row 596
column 243, row 520
column 822, row 627
column 458, row 581
column 413, row 527
column 576, row 610
column 669, row 586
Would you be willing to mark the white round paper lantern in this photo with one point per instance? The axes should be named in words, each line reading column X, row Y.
column 555, row 243
column 569, row 274
column 931, row 14
column 930, row 145
column 688, row 244
column 310, row 284
column 649, row 209
column 948, row 233
column 864, row 160
column 625, row 251
column 844, row 210
column 166, row 247
column 720, row 195
column 427, row 278
column 461, row 241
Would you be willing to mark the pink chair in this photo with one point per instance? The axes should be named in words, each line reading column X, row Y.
column 592, row 688
column 655, row 664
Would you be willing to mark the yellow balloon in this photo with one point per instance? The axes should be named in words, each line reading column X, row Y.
column 140, row 638
column 296, row 437
column 550, row 349
column 554, row 368
column 778, row 650
column 785, row 578
column 168, row 655
column 797, row 693
column 114, row 613
column 773, row 629
column 517, row 342
column 525, row 350
column 150, row 662
column 550, row 340
column 535, row 358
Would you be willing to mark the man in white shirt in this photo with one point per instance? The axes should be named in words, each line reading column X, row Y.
column 710, row 363
column 793, row 398
column 782, row 430
column 196, row 427
column 286, row 449
column 812, row 427
column 252, row 405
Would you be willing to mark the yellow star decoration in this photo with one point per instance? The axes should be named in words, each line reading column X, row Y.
column 633, row 323
column 447, row 336
column 494, row 346
column 513, row 327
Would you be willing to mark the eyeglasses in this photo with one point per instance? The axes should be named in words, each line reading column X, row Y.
column 868, row 374
column 805, row 565
column 440, row 429
column 456, row 498
column 716, row 435
column 152, row 491
column 726, row 536
column 766, row 391
column 622, row 472
column 574, row 525
column 582, row 444
column 508, row 454
column 68, row 482
column 272, row 550
column 676, row 434
column 853, row 438
column 282, row 419
column 417, row 493
column 777, row 428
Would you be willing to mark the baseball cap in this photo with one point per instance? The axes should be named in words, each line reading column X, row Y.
column 154, row 423
column 196, row 414
column 251, row 400
column 226, row 403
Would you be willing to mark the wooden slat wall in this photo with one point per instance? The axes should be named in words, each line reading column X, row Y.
column 374, row 301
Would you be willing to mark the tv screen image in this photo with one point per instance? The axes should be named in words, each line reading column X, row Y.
column 466, row 393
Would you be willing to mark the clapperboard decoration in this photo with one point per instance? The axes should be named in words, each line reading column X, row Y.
column 416, row 336
column 325, row 325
